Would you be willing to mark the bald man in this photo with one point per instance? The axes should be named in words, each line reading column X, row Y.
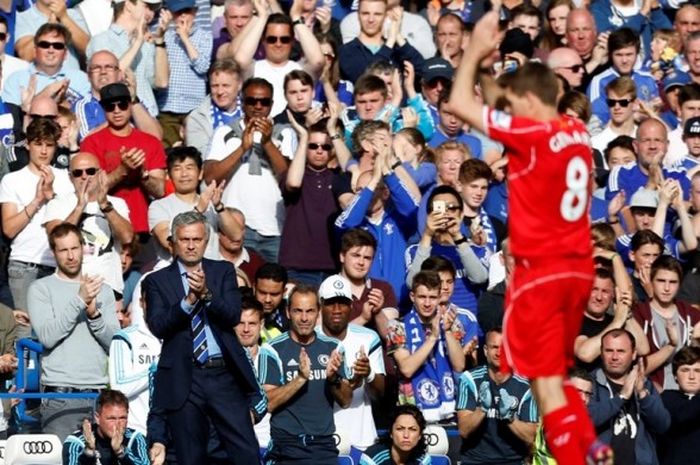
column 568, row 64
column 581, row 36
column 102, row 219
column 651, row 144
column 687, row 21
column 103, row 69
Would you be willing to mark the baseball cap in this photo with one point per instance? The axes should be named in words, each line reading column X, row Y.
column 113, row 92
column 334, row 287
column 517, row 41
column 437, row 67
column 675, row 79
column 645, row 198
column 179, row 5
column 692, row 127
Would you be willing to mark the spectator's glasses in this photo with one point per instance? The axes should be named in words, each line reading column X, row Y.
column 3, row 36
column 103, row 68
column 109, row 107
column 253, row 101
column 453, row 208
column 623, row 102
column 573, row 68
column 37, row 116
column 45, row 44
column 78, row 173
column 433, row 83
column 271, row 40
column 315, row 146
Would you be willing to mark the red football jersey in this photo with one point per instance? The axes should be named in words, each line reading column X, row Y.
column 549, row 191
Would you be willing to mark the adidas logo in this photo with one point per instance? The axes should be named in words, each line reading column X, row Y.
column 292, row 363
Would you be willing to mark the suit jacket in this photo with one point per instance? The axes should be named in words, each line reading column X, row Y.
column 167, row 321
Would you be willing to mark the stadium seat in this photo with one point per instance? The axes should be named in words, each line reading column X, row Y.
column 342, row 441
column 345, row 460
column 440, row 460
column 436, row 438
column 33, row 449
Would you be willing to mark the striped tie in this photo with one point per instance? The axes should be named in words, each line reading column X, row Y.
column 199, row 337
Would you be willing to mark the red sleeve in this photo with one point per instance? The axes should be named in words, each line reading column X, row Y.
column 516, row 133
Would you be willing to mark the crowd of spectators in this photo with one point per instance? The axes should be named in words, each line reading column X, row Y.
column 313, row 149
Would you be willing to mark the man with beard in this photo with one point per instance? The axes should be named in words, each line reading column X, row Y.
column 74, row 318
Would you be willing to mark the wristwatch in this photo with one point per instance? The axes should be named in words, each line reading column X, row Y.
column 107, row 208
column 298, row 21
column 461, row 241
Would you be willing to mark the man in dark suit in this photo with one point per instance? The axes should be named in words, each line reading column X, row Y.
column 204, row 373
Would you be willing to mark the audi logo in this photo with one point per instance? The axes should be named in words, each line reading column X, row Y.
column 37, row 447
column 431, row 439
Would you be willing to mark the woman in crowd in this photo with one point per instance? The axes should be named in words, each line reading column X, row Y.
column 405, row 444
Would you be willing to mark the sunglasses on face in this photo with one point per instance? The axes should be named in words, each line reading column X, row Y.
column 623, row 102
column 37, row 116
column 574, row 68
column 77, row 173
column 110, row 106
column 270, row 40
column 253, row 101
column 433, row 83
column 453, row 208
column 315, row 146
column 45, row 44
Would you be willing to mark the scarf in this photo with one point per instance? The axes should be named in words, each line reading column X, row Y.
column 433, row 384
column 222, row 118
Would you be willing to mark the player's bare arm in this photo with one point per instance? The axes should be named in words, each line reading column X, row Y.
column 484, row 40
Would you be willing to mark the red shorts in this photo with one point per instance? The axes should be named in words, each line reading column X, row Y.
column 545, row 301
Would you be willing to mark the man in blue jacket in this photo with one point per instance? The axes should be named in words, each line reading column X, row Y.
column 625, row 407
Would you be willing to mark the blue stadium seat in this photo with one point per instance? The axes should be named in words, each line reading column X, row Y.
column 440, row 460
column 345, row 460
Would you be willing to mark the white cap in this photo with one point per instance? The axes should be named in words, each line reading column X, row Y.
column 334, row 287
column 645, row 198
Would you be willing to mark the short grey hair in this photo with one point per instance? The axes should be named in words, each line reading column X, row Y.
column 187, row 218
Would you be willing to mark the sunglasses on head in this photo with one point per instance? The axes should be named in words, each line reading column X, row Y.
column 110, row 106
column 273, row 39
column 315, row 146
column 252, row 101
column 77, row 173
column 623, row 102
column 45, row 44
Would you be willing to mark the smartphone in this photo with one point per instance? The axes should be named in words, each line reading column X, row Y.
column 439, row 206
column 504, row 66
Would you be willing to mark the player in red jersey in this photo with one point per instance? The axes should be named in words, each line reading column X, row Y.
column 549, row 158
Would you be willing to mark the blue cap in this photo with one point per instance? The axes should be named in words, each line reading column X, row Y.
column 179, row 5
column 676, row 78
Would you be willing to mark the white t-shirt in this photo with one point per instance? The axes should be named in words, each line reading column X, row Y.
column 101, row 249
column 357, row 420
column 275, row 76
column 167, row 208
column 31, row 245
column 601, row 140
column 257, row 196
